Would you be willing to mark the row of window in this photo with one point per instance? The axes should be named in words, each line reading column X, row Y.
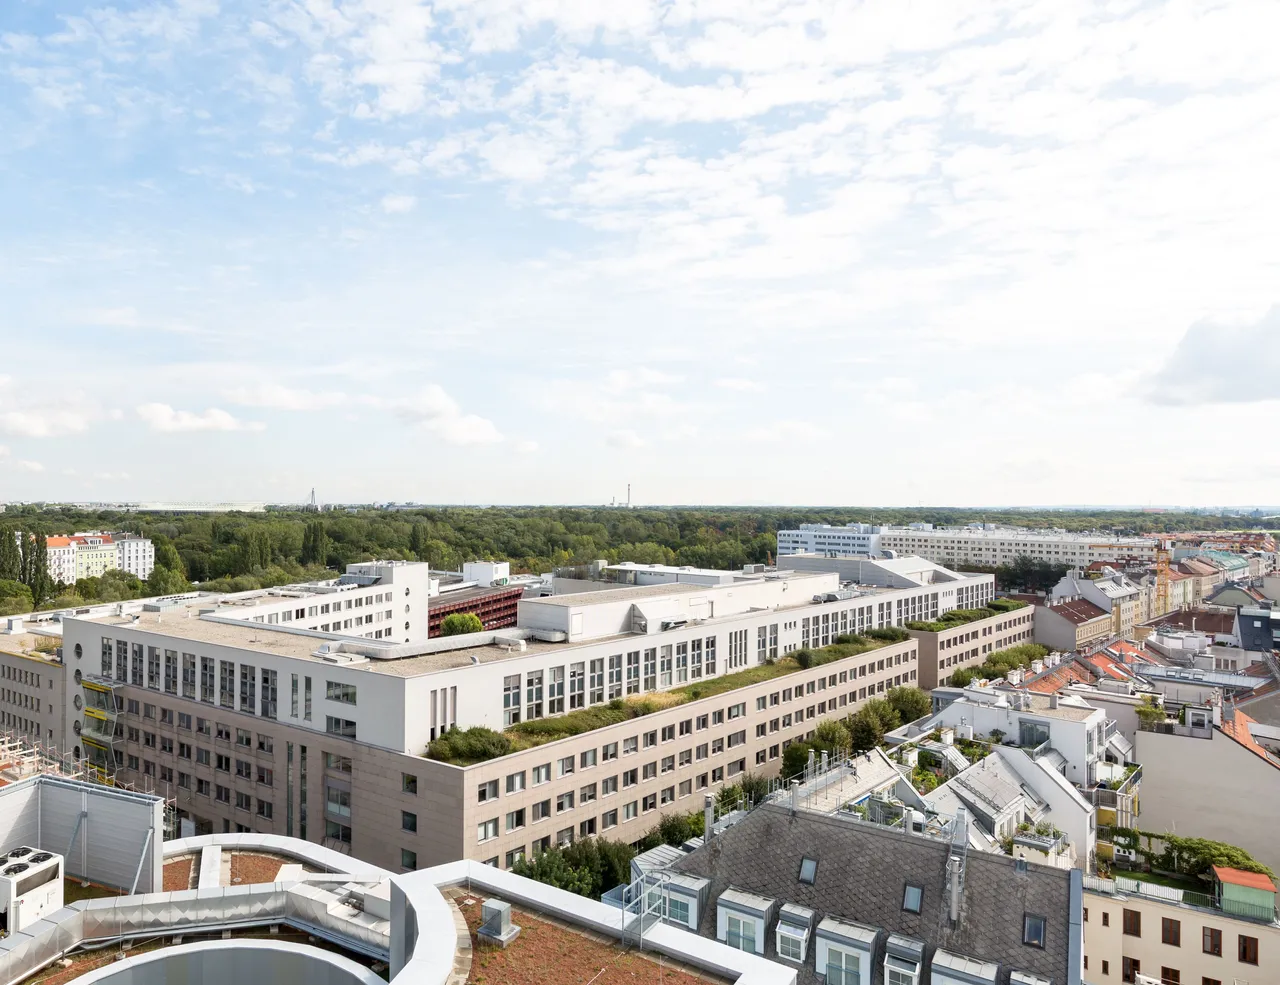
column 217, row 682
column 1171, row 934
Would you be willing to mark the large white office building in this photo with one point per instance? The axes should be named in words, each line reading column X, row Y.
column 265, row 712
column 985, row 544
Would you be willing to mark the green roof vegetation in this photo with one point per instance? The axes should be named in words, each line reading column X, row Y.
column 959, row 617
column 999, row 664
column 465, row 747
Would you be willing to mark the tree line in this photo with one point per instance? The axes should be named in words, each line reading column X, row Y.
column 245, row 551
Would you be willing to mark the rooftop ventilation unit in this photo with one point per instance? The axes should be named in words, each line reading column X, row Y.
column 30, row 887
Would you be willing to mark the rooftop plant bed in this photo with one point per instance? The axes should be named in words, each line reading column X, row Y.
column 960, row 617
column 465, row 747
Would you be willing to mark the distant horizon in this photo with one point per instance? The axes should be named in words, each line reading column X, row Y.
column 142, row 505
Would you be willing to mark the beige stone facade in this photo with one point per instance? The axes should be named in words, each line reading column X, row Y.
column 665, row 761
column 31, row 689
column 942, row 654
column 1200, row 946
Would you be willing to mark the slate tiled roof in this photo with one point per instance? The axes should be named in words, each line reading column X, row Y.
column 862, row 872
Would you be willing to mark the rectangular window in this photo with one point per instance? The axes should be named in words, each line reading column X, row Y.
column 515, row 782
column 597, row 680
column 577, row 685
column 587, row 759
column 533, row 695
column 1033, row 930
column 541, row 810
column 1247, row 949
column 189, row 675
column 487, row 791
column 268, row 694
column 650, row 669
column 1211, row 941
column 171, row 671
column 510, row 700
column 740, row 933
column 633, row 672
column 615, row 676
column 344, row 693
column 1170, row 932
column 555, row 691
column 1170, row 976
column 1130, row 968
column 542, row 774
column 1132, row 923
column 293, row 696
column 340, row 726
column 226, row 684
column 339, row 764
column 564, row 766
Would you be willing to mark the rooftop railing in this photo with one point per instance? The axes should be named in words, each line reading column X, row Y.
column 1180, row 897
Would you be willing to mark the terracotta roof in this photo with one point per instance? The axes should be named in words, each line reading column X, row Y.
column 1238, row 877
column 1105, row 665
column 1055, row 679
column 57, row 541
column 1079, row 611
column 1125, row 651
column 1238, row 728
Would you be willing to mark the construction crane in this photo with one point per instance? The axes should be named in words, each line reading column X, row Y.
column 1162, row 576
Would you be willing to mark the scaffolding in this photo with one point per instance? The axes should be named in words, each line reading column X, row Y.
column 22, row 757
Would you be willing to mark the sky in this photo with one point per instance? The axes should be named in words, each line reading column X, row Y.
column 530, row 251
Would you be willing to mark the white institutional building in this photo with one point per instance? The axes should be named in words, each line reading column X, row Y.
column 986, row 544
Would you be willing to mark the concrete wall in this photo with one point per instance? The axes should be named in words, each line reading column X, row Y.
column 1210, row 788
column 32, row 692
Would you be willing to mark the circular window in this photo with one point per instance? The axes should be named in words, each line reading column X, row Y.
column 79, row 651
column 406, row 629
column 78, row 702
column 406, row 610
column 77, row 726
column 79, row 677
column 77, row 752
column 406, row 592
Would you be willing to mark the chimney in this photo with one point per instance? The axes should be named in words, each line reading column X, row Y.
column 824, row 760
column 795, row 796
column 708, row 817
column 953, row 887
column 1053, row 700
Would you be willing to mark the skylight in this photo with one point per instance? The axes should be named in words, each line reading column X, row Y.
column 808, row 870
column 911, row 898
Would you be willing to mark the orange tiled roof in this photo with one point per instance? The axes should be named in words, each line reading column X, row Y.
column 1238, row 729
column 57, row 541
column 1126, row 650
column 1238, row 877
column 1106, row 665
column 1054, row 680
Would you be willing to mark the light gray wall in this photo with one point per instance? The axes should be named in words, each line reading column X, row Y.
column 108, row 846
column 1210, row 788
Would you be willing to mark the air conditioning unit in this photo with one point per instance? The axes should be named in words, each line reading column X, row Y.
column 30, row 887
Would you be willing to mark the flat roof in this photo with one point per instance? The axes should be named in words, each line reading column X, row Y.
column 625, row 594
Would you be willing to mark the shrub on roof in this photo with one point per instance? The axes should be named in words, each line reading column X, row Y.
column 473, row 745
column 888, row 634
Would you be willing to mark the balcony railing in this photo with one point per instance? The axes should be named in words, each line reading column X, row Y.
column 1173, row 728
column 1180, row 897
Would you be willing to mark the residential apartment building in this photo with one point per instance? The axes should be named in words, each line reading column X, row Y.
column 96, row 554
column 136, row 555
column 944, row 651
column 822, row 538
column 250, row 720
column 1072, row 624
column 850, row 901
column 989, row 544
column 1110, row 591
column 32, row 693
column 1139, row 932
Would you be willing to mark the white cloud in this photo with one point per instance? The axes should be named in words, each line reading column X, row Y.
column 162, row 417
column 1217, row 363
column 625, row 438
column 526, row 447
column 432, row 409
column 789, row 431
column 29, row 466
column 739, row 384
column 398, row 204
column 111, row 476
column 43, row 422
column 641, row 376
column 279, row 397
